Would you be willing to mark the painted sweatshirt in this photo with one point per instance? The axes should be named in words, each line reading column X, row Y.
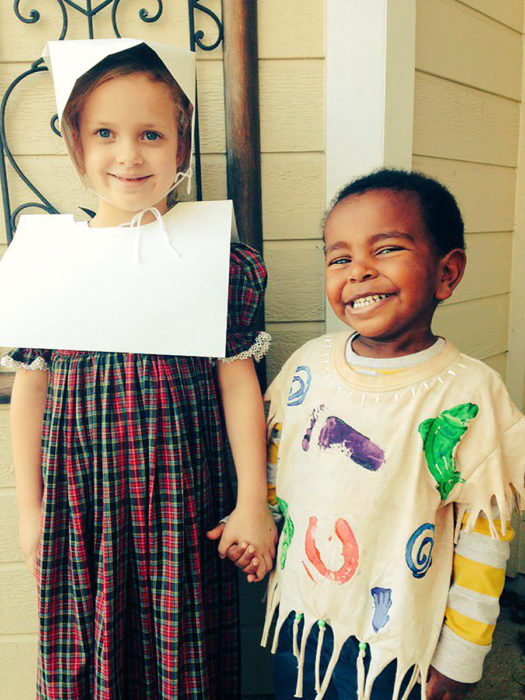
column 370, row 471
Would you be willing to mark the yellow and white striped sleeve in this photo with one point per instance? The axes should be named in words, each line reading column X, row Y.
column 473, row 600
column 271, row 470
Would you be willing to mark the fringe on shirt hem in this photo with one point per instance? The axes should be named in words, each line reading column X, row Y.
column 503, row 503
column 365, row 681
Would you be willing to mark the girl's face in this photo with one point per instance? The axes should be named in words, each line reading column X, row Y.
column 128, row 146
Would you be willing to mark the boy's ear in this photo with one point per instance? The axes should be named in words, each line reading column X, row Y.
column 450, row 272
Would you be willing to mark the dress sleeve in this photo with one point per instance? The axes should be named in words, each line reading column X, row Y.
column 27, row 358
column 245, row 297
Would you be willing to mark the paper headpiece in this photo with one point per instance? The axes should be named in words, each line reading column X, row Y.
column 69, row 60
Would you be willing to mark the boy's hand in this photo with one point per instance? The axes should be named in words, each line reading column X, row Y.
column 440, row 687
column 248, row 539
column 241, row 554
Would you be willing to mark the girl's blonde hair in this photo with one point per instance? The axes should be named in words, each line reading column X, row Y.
column 138, row 59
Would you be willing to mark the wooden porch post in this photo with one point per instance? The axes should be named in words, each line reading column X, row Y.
column 241, row 94
column 243, row 140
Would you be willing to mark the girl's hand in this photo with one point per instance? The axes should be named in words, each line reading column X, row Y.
column 254, row 533
column 440, row 687
column 29, row 537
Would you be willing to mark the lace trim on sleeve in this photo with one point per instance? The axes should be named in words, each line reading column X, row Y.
column 9, row 363
column 258, row 350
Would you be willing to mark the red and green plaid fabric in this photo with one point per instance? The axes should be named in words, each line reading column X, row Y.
column 134, row 602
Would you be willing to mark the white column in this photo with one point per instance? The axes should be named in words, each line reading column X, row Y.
column 370, row 68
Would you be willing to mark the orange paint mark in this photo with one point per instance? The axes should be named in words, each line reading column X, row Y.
column 350, row 551
column 308, row 571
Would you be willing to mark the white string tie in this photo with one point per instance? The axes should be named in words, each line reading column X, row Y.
column 136, row 221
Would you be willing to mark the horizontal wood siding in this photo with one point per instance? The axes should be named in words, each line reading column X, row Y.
column 466, row 130
column 463, row 34
column 462, row 123
column 296, row 287
column 485, row 193
column 509, row 12
column 287, row 337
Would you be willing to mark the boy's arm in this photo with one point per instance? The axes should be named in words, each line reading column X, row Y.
column 27, row 412
column 272, row 460
column 251, row 520
column 473, row 603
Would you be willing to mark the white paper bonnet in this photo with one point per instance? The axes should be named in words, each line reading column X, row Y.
column 69, row 60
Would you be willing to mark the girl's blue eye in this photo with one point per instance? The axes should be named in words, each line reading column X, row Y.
column 151, row 135
column 104, row 133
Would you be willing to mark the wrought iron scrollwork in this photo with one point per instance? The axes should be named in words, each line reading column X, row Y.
column 196, row 37
column 34, row 16
column 10, row 218
column 143, row 14
column 89, row 11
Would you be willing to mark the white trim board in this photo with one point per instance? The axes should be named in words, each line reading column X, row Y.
column 370, row 72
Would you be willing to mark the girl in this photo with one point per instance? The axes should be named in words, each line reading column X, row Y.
column 121, row 459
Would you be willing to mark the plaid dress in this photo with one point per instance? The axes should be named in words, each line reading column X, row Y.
column 134, row 602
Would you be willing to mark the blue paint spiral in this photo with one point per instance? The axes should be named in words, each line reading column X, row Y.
column 300, row 385
column 423, row 558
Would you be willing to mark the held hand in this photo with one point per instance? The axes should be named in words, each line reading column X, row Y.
column 440, row 687
column 241, row 554
column 248, row 539
column 29, row 537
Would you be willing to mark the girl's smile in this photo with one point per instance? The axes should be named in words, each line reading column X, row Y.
column 131, row 180
column 383, row 275
column 128, row 146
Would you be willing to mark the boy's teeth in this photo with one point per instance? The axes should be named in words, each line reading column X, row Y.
column 366, row 301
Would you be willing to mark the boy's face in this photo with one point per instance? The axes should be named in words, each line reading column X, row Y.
column 383, row 275
column 128, row 145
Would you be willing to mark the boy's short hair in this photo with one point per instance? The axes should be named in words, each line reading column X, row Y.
column 440, row 212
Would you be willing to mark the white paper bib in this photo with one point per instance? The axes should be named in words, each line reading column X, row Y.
column 136, row 290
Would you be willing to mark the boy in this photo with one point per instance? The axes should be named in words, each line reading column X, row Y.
column 388, row 441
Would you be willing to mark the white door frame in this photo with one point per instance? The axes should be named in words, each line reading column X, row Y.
column 370, row 72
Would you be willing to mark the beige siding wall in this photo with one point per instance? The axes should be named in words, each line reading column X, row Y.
column 468, row 94
column 466, row 123
column 291, row 51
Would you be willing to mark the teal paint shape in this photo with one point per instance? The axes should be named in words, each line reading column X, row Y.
column 287, row 533
column 441, row 436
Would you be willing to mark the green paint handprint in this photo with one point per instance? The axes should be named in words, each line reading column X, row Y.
column 441, row 436
column 287, row 533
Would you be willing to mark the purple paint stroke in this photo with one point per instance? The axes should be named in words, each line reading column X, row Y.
column 313, row 420
column 337, row 433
